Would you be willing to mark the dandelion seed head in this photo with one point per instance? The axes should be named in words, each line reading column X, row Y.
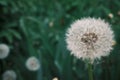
column 9, row 75
column 4, row 51
column 32, row 64
column 90, row 38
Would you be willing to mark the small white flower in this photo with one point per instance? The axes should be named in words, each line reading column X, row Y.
column 51, row 24
column 110, row 15
column 90, row 39
column 4, row 51
column 119, row 13
column 55, row 78
column 9, row 75
column 32, row 64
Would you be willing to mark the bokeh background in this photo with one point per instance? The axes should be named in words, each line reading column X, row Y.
column 37, row 28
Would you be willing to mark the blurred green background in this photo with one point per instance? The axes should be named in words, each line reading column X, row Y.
column 37, row 28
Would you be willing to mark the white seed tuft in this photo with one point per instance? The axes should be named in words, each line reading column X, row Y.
column 90, row 38
column 32, row 64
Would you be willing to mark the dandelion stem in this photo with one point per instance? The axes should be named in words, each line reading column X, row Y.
column 90, row 71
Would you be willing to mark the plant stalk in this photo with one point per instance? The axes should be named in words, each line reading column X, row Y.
column 90, row 71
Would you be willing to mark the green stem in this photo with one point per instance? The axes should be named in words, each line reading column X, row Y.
column 90, row 71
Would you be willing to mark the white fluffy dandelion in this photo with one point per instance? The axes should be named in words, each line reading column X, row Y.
column 32, row 64
column 90, row 38
column 9, row 75
column 4, row 51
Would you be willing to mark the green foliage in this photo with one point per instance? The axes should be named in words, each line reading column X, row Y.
column 37, row 28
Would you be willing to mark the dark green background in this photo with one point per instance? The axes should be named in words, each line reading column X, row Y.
column 37, row 28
